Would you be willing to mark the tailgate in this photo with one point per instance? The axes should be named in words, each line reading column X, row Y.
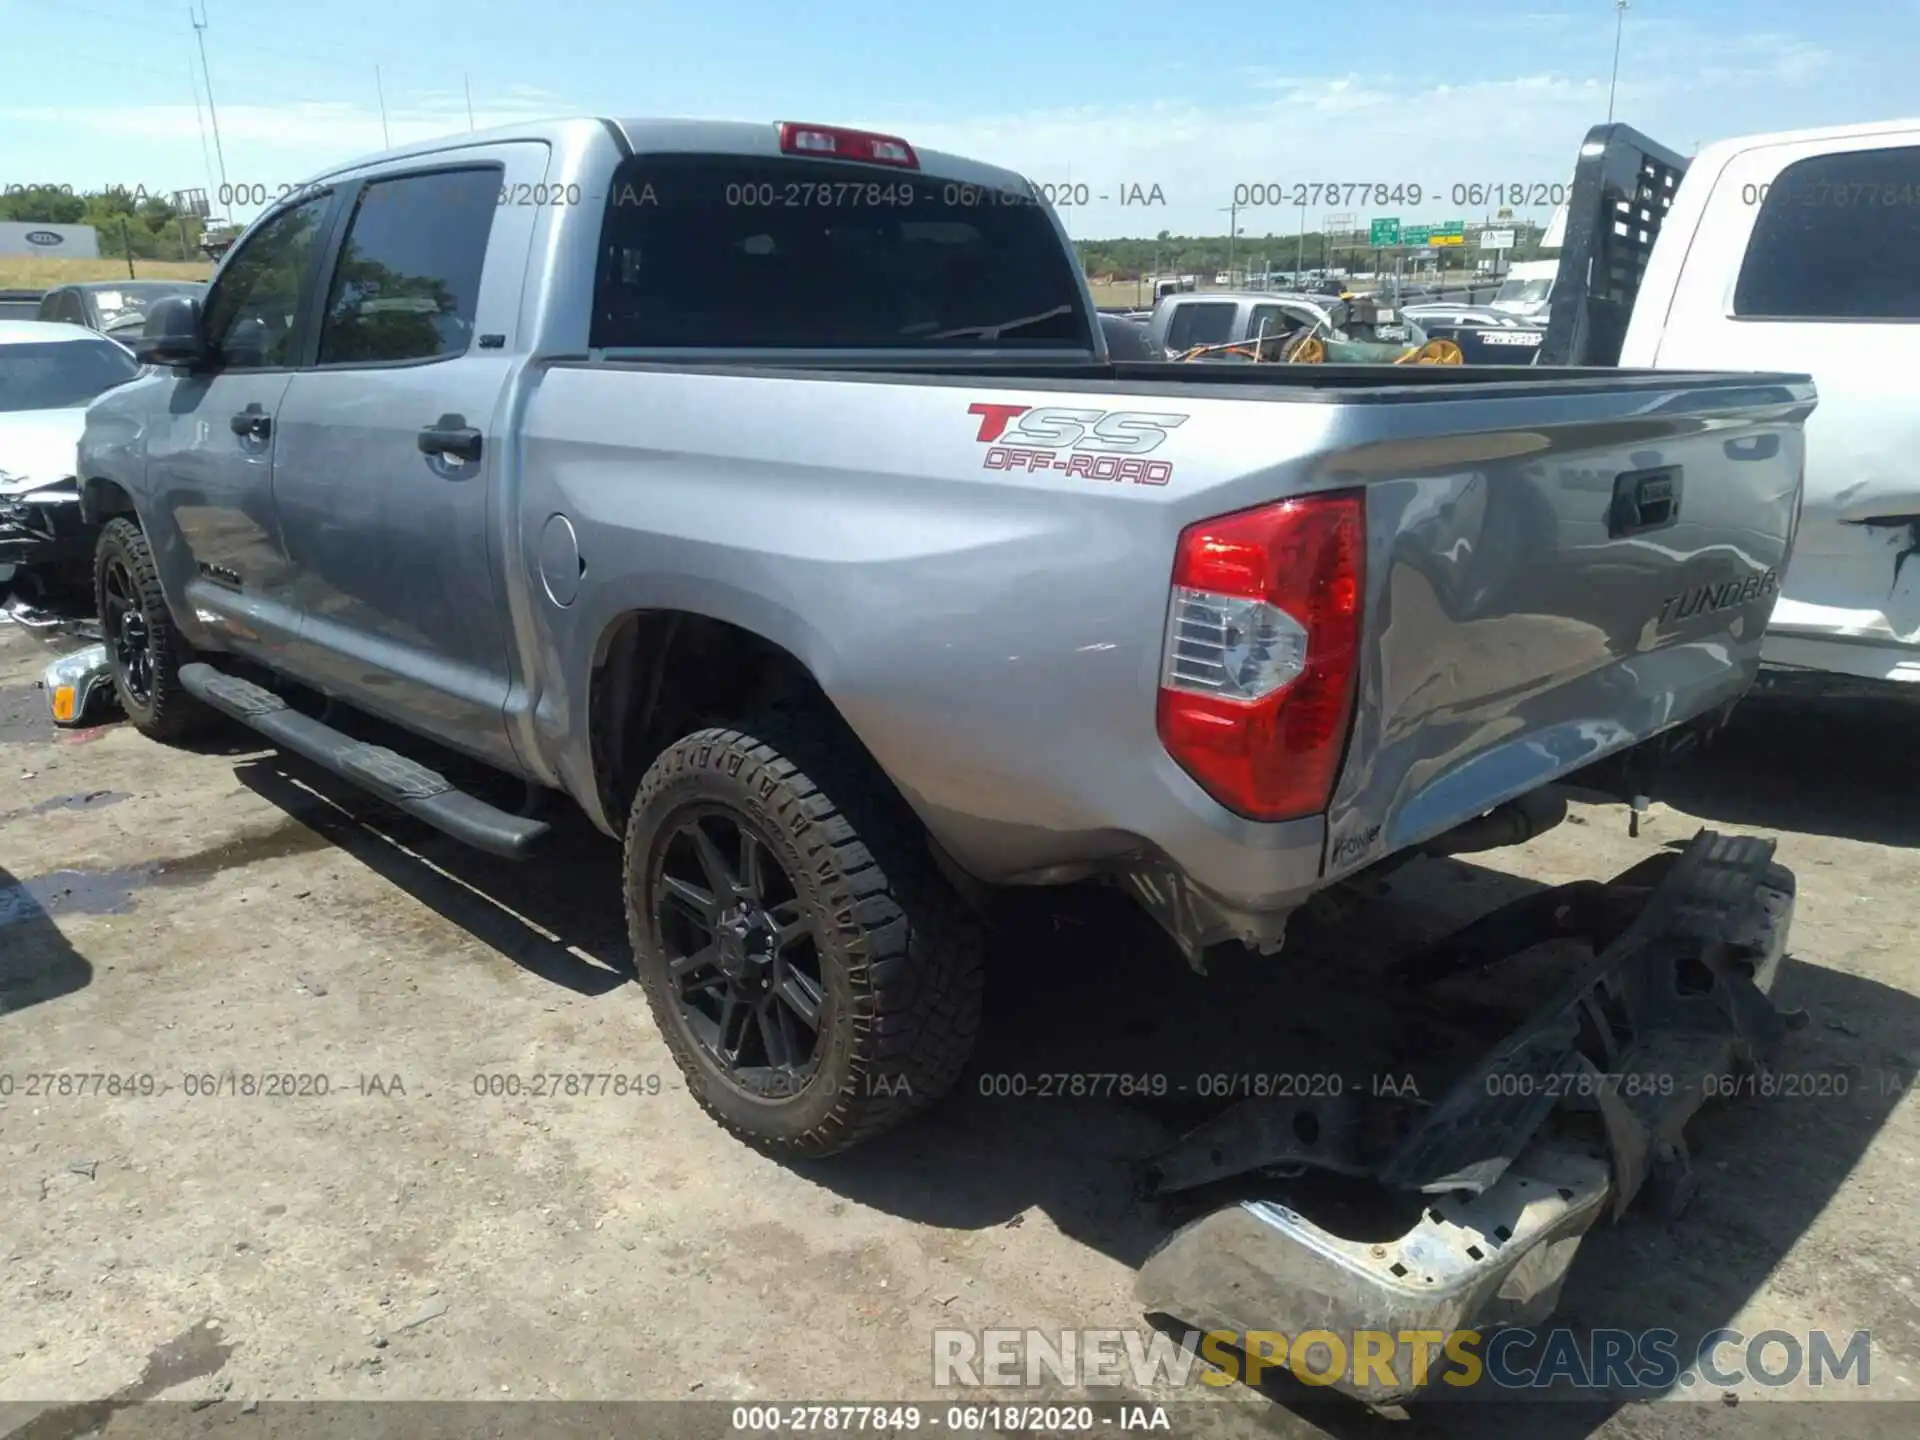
column 1541, row 596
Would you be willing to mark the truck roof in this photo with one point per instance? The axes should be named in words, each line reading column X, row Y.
column 654, row 135
column 41, row 332
column 1716, row 153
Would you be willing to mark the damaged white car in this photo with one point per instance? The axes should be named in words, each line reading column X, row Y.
column 49, row 373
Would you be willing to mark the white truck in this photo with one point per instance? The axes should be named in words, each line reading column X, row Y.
column 1527, row 290
column 1792, row 250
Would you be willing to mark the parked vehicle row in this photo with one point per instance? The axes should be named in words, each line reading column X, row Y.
column 113, row 307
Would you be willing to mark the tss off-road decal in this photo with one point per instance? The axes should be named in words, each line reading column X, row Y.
column 1092, row 444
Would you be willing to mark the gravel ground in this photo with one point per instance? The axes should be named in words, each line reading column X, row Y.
column 171, row 914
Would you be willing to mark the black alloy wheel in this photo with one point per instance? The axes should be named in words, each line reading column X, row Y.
column 813, row 975
column 143, row 648
column 741, row 951
column 124, row 626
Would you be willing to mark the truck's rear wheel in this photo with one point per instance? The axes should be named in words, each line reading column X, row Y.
column 815, row 977
column 145, row 651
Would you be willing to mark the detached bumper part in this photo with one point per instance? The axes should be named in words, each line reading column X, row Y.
column 1260, row 1266
column 1582, row 1108
column 77, row 683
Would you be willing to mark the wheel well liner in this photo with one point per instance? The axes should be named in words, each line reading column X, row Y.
column 660, row 674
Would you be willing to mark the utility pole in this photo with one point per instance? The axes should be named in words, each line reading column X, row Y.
column 1300, row 249
column 386, row 140
column 1619, row 25
column 200, row 122
column 467, row 85
column 200, row 34
column 1233, row 232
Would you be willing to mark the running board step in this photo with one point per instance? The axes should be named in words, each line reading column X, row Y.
column 405, row 784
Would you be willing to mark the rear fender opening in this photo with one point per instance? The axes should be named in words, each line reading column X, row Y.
column 661, row 674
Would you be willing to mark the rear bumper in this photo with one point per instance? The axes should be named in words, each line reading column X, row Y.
column 1802, row 661
column 1579, row 1110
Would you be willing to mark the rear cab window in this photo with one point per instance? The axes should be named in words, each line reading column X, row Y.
column 734, row 251
column 1836, row 238
column 1201, row 322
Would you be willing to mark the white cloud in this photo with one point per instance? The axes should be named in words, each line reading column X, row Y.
column 1345, row 131
column 1678, row 82
column 159, row 146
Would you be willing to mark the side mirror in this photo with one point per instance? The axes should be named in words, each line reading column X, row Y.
column 172, row 334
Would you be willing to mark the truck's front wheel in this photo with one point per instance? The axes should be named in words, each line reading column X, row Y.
column 145, row 651
column 815, row 977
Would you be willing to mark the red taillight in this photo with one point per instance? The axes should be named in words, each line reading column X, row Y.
column 1262, row 653
column 830, row 142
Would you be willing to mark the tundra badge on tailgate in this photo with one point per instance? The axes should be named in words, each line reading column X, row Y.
column 1104, row 444
column 1710, row 599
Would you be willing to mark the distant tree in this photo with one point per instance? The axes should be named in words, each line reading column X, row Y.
column 153, row 225
column 44, row 205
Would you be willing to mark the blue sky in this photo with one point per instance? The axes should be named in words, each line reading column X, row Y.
column 1196, row 96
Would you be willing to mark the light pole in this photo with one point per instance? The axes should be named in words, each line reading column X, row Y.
column 1233, row 231
column 200, row 34
column 1619, row 25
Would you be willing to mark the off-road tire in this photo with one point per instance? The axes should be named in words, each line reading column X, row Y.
column 171, row 714
column 901, row 955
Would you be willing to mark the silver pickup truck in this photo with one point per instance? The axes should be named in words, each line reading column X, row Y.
column 768, row 490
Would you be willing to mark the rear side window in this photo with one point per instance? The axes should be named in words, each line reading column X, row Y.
column 702, row 251
column 408, row 278
column 1836, row 239
column 1200, row 322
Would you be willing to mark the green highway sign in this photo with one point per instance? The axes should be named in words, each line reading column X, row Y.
column 1416, row 235
column 1451, row 227
column 1384, row 231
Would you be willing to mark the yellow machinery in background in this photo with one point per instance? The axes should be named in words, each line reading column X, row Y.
column 1312, row 350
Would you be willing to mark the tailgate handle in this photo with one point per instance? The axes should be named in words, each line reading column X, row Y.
column 1644, row 500
column 1753, row 447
